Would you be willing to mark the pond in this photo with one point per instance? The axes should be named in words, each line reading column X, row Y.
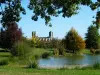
column 69, row 60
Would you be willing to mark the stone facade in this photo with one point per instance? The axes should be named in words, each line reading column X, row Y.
column 50, row 37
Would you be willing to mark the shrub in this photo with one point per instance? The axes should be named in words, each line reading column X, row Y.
column 56, row 52
column 62, row 51
column 3, row 62
column 20, row 49
column 36, row 56
column 97, row 52
column 92, row 50
column 45, row 55
column 96, row 66
column 33, row 64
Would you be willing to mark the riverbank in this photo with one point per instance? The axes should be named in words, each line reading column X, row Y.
column 6, row 70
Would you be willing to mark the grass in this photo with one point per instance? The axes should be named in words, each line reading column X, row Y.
column 6, row 70
column 4, row 55
column 85, row 51
column 39, row 52
column 18, row 69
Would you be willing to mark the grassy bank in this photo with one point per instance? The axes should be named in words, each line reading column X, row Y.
column 85, row 51
column 6, row 70
column 20, row 69
column 40, row 51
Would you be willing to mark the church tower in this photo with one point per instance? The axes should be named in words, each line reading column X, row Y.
column 33, row 34
column 51, row 35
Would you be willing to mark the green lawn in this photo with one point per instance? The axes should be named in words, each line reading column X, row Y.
column 85, row 51
column 40, row 51
column 17, row 69
column 6, row 70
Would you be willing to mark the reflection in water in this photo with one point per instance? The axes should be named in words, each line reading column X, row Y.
column 69, row 60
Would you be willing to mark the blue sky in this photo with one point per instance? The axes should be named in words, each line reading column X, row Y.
column 60, row 26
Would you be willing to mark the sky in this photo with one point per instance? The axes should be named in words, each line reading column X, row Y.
column 60, row 25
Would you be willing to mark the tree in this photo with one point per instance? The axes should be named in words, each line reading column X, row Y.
column 10, row 11
column 73, row 41
column 92, row 37
column 10, row 35
column 43, row 8
column 47, row 8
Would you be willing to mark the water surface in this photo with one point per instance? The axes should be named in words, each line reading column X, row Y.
column 69, row 60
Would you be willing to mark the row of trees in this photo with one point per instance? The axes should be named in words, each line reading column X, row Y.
column 74, row 42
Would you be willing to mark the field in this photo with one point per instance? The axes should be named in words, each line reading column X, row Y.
column 19, row 69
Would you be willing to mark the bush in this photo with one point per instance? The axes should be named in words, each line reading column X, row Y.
column 36, row 56
column 33, row 64
column 45, row 55
column 3, row 62
column 20, row 49
column 97, row 52
column 96, row 66
column 56, row 52
column 61, row 49
column 92, row 50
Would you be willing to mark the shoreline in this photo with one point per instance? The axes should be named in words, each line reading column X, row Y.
column 64, row 67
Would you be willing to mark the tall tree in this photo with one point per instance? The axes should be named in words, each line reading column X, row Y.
column 73, row 41
column 92, row 37
column 10, row 35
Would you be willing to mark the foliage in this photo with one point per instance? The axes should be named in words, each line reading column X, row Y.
column 10, row 35
column 20, row 49
column 3, row 62
column 10, row 11
column 92, row 51
column 73, row 41
column 45, row 55
column 33, row 65
column 96, row 66
column 94, row 6
column 48, row 8
column 43, row 8
column 34, row 42
column 97, row 51
column 61, row 50
column 56, row 52
column 92, row 38
column 55, row 43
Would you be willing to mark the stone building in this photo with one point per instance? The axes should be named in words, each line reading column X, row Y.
column 48, row 38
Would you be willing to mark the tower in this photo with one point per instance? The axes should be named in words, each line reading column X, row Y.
column 33, row 34
column 51, row 35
